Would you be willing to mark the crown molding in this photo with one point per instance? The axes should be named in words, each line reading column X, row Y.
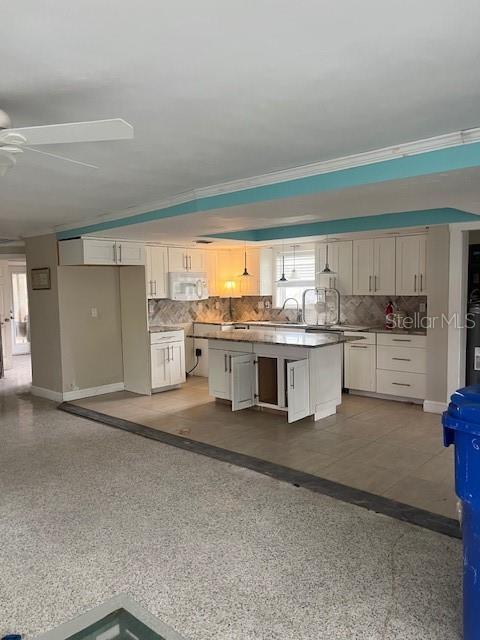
column 424, row 145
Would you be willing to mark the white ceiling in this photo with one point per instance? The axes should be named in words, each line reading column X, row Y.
column 222, row 90
column 455, row 189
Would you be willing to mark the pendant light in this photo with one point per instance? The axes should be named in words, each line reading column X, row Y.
column 283, row 278
column 326, row 269
column 293, row 272
column 245, row 270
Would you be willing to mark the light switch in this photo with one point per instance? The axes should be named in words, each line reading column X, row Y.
column 94, row 312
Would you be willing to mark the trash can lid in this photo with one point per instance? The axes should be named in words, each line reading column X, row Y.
column 463, row 412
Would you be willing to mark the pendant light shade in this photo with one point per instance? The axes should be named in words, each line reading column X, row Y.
column 282, row 277
column 326, row 269
column 245, row 273
column 293, row 272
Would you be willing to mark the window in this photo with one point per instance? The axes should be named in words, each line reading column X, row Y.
column 299, row 272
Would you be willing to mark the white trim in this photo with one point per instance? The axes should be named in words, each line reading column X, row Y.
column 93, row 391
column 457, row 302
column 431, row 406
column 456, row 138
column 56, row 396
column 385, row 396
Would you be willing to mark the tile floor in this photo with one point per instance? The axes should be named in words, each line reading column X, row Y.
column 388, row 448
column 216, row 551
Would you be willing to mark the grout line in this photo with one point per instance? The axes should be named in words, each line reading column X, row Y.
column 379, row 504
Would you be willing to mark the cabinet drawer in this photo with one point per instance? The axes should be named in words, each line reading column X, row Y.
column 401, row 340
column 400, row 383
column 229, row 345
column 162, row 337
column 368, row 338
column 401, row 359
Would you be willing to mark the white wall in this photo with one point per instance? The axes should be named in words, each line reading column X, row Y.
column 44, row 316
column 91, row 346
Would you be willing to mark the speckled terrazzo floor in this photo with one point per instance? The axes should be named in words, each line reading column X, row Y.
column 216, row 551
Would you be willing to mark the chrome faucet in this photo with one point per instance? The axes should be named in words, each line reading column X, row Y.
column 299, row 311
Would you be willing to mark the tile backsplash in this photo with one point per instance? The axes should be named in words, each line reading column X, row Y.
column 368, row 310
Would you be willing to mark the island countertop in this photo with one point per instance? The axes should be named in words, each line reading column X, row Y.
column 307, row 340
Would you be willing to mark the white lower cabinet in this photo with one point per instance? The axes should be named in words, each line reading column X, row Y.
column 387, row 363
column 167, row 359
column 293, row 382
column 360, row 362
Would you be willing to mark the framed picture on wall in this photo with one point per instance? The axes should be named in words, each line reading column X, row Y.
column 41, row 278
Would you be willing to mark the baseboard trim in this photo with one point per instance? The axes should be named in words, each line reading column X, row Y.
column 48, row 394
column 432, row 406
column 384, row 396
column 92, row 391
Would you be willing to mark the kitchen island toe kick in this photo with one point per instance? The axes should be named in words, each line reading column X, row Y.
column 299, row 374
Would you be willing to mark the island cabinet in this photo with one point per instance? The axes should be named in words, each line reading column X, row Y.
column 297, row 380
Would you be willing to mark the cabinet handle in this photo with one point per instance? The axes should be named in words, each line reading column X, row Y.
column 155, row 282
column 401, row 340
column 358, row 346
column 292, row 378
column 225, row 362
column 403, row 359
column 369, row 283
column 415, row 283
column 401, row 384
column 375, row 282
column 230, row 364
column 120, row 253
column 173, row 354
column 168, row 354
column 421, row 282
column 190, row 262
column 115, row 252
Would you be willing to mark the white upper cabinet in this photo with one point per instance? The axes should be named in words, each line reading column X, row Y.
column 340, row 260
column 384, row 266
column 374, row 266
column 156, row 264
column 363, row 266
column 185, row 259
column 97, row 251
column 411, row 259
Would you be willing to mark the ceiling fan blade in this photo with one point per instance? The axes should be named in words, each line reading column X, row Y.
column 54, row 155
column 93, row 131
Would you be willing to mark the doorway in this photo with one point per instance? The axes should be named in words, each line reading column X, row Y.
column 20, row 324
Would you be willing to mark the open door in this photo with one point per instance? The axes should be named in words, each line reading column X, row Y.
column 243, row 381
column 298, row 390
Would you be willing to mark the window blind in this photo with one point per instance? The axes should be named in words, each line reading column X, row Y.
column 304, row 266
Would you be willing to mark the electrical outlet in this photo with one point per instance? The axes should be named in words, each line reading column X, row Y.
column 422, row 307
column 261, row 305
column 94, row 312
column 198, row 352
column 268, row 304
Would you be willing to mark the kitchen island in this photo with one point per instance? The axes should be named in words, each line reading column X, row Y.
column 297, row 373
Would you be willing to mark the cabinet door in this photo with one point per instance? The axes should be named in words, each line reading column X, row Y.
column 360, row 367
column 195, row 260
column 176, row 363
column 340, row 256
column 363, row 267
column 219, row 374
column 384, row 267
column 242, row 370
column 177, row 259
column 99, row 251
column 422, row 265
column 156, row 271
column 298, row 390
column 160, row 365
column 408, row 265
column 130, row 253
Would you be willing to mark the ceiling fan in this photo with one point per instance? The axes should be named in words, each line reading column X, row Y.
column 14, row 141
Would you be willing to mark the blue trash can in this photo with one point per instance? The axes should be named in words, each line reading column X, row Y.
column 461, row 427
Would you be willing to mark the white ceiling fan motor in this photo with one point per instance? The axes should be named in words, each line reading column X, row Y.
column 5, row 122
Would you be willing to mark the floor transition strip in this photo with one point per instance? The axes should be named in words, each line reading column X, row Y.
column 379, row 504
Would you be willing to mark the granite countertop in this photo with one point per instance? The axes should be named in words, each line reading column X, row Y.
column 292, row 339
column 161, row 328
column 299, row 325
